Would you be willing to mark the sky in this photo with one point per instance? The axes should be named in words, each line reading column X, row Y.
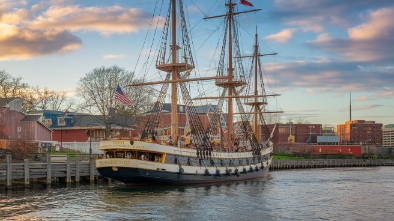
column 327, row 49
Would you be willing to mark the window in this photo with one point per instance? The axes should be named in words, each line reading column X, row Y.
column 48, row 122
column 61, row 121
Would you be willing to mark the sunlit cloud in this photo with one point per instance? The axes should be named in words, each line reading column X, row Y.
column 20, row 44
column 308, row 24
column 283, row 36
column 106, row 21
column 318, row 91
column 331, row 76
column 387, row 92
column 362, row 98
column 378, row 26
column 370, row 41
column 49, row 27
column 10, row 4
column 114, row 56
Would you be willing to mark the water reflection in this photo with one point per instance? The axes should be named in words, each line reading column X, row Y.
column 333, row 194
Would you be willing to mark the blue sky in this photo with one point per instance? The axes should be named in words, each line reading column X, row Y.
column 327, row 49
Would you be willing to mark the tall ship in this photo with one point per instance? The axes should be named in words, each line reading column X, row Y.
column 234, row 145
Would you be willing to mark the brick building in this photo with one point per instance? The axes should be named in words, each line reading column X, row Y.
column 289, row 133
column 360, row 132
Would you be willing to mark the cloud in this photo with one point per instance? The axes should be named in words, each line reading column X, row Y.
column 50, row 29
column 362, row 98
column 386, row 92
column 316, row 16
column 318, row 91
column 368, row 42
column 9, row 4
column 106, row 21
column 283, row 36
column 114, row 56
column 22, row 44
column 15, row 17
column 366, row 107
column 308, row 24
column 379, row 26
column 331, row 76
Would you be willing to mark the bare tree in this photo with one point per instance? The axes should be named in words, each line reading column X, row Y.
column 11, row 86
column 44, row 99
column 36, row 98
column 97, row 91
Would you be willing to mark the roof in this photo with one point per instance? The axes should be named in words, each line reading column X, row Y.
column 34, row 118
column 201, row 109
column 13, row 103
column 5, row 101
column 31, row 118
column 88, row 120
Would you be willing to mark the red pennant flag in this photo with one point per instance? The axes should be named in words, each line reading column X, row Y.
column 245, row 2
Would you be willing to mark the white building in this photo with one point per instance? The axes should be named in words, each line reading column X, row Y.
column 388, row 135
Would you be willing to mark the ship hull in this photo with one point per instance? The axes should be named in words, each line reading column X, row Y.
column 137, row 176
column 154, row 163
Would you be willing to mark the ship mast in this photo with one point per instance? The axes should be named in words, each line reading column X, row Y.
column 174, row 85
column 176, row 59
column 175, row 68
column 256, row 103
column 230, row 83
column 256, row 107
column 230, row 70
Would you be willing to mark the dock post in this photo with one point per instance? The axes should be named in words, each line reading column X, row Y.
column 77, row 169
column 9, row 171
column 49, row 174
column 68, row 178
column 27, row 172
column 91, row 172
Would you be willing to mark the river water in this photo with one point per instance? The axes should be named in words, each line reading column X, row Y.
column 310, row 194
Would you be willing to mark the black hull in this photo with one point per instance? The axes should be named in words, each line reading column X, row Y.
column 134, row 176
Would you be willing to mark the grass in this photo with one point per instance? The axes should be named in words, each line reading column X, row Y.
column 284, row 156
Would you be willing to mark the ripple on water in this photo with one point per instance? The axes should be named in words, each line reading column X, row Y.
column 310, row 194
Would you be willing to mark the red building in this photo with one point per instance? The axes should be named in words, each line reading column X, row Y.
column 18, row 126
column 360, row 132
column 289, row 133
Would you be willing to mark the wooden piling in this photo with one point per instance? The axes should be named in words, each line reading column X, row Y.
column 49, row 173
column 77, row 169
column 68, row 170
column 91, row 170
column 27, row 172
column 9, row 171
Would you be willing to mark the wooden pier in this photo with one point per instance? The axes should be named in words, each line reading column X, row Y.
column 55, row 169
column 281, row 164
column 62, row 169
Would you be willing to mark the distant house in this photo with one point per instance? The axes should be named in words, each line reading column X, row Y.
column 77, row 127
column 19, row 126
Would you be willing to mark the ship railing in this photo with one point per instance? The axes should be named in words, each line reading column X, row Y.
column 192, row 153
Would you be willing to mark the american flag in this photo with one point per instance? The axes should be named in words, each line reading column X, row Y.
column 121, row 96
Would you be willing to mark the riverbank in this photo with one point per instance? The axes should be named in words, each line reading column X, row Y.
column 281, row 164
